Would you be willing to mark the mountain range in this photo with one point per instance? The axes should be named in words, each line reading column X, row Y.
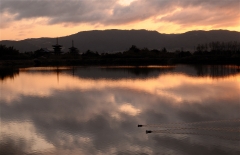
column 121, row 40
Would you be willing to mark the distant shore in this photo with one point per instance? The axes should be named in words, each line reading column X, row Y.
column 214, row 53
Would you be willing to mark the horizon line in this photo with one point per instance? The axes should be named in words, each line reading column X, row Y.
column 127, row 30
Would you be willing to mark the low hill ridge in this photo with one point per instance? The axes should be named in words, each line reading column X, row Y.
column 114, row 40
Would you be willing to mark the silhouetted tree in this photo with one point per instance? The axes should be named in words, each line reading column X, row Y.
column 4, row 50
column 164, row 50
column 8, row 52
column 89, row 53
column 134, row 48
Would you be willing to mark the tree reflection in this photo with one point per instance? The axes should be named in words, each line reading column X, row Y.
column 216, row 71
column 8, row 73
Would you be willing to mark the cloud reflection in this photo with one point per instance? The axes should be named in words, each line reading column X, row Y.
column 100, row 116
column 179, row 87
column 129, row 109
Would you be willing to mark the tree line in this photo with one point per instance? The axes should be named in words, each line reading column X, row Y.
column 213, row 52
column 217, row 46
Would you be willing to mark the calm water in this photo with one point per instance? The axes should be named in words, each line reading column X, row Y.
column 96, row 110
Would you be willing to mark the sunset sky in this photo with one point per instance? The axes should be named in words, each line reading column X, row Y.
column 21, row 19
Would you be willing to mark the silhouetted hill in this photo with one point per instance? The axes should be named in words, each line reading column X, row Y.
column 120, row 40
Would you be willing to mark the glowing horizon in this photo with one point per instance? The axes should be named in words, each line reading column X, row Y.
column 23, row 19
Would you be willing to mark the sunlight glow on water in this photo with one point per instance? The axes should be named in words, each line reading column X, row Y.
column 96, row 110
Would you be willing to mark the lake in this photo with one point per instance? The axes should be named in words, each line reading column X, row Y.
column 96, row 110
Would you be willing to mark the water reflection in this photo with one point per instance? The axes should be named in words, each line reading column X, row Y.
column 84, row 114
column 8, row 73
column 216, row 71
column 130, row 72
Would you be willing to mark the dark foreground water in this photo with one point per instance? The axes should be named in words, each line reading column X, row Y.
column 96, row 110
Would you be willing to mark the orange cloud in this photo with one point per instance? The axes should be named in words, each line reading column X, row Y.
column 28, row 19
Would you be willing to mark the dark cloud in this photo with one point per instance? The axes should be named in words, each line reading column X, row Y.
column 59, row 11
column 110, row 12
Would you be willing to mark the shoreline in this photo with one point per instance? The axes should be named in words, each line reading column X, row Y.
column 115, row 62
